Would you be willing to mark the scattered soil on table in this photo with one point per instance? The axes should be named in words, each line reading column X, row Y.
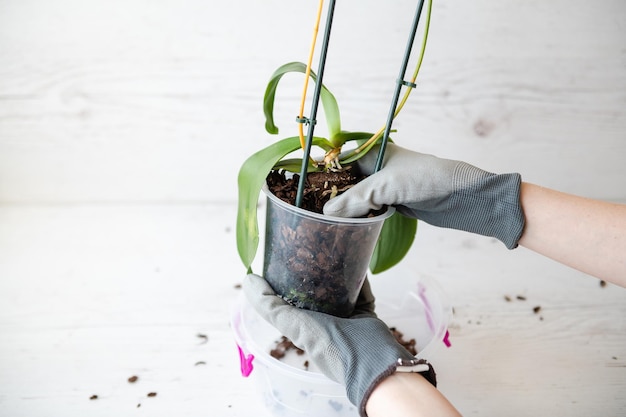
column 536, row 309
column 93, row 397
column 152, row 394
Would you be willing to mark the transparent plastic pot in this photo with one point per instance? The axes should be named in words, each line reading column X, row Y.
column 318, row 262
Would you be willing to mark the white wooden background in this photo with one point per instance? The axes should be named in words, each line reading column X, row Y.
column 123, row 124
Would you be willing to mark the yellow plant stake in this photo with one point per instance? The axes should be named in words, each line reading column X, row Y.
column 308, row 74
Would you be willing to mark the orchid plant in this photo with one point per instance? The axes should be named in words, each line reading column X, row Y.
column 398, row 231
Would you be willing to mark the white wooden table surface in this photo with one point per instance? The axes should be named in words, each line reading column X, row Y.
column 117, row 252
column 92, row 295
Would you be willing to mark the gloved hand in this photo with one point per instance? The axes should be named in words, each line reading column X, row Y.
column 358, row 352
column 441, row 192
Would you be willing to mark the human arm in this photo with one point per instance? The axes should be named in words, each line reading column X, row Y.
column 588, row 235
column 408, row 395
column 585, row 234
column 359, row 352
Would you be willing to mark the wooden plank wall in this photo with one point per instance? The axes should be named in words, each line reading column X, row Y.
column 158, row 101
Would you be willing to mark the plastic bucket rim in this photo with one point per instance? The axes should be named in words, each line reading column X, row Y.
column 443, row 301
column 260, row 354
column 248, row 343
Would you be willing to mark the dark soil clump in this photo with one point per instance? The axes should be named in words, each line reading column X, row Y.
column 319, row 187
column 283, row 346
column 407, row 344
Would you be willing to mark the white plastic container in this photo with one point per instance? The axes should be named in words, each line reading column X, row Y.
column 289, row 390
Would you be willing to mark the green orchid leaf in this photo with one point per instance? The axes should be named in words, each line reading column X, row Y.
column 294, row 165
column 350, row 157
column 394, row 242
column 329, row 103
column 250, row 180
column 345, row 136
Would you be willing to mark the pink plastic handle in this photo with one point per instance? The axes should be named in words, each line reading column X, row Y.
column 446, row 339
column 246, row 362
column 429, row 319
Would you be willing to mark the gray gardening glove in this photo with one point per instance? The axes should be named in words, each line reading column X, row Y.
column 441, row 192
column 358, row 352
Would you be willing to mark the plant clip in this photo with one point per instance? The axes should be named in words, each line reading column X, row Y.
column 407, row 83
column 305, row 120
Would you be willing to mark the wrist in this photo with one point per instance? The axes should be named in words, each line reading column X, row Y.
column 407, row 394
column 487, row 204
column 379, row 366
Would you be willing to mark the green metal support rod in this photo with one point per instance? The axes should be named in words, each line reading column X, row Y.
column 399, row 84
column 314, row 105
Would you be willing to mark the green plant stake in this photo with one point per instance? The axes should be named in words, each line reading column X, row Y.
column 399, row 83
column 398, row 231
column 316, row 98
